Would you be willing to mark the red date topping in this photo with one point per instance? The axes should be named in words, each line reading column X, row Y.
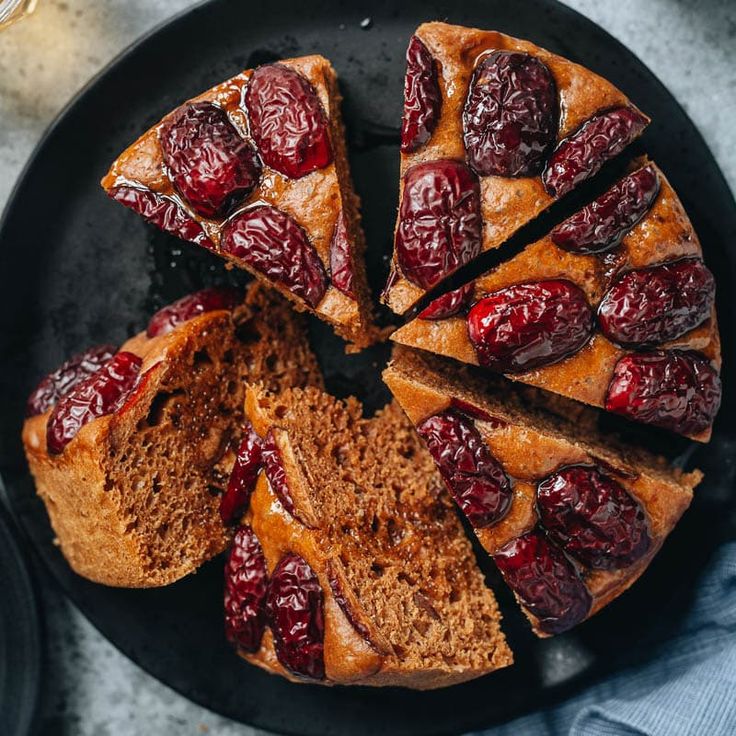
column 162, row 212
column 246, row 584
column 593, row 518
column 510, row 115
column 248, row 463
column 475, row 479
column 104, row 392
column 545, row 581
column 342, row 601
column 341, row 263
column 276, row 474
column 168, row 318
column 273, row 244
column 526, row 326
column 679, row 391
column 652, row 305
column 211, row 165
column 475, row 412
column 439, row 221
column 59, row 383
column 448, row 305
column 287, row 121
column 602, row 225
column 294, row 607
column 422, row 97
column 582, row 154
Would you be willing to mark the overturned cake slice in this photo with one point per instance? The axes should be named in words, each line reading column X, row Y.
column 494, row 130
column 351, row 566
column 614, row 308
column 131, row 449
column 256, row 171
column 571, row 519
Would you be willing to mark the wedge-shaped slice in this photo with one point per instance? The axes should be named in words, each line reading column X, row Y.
column 352, row 566
column 494, row 130
column 571, row 519
column 614, row 308
column 255, row 170
column 131, row 448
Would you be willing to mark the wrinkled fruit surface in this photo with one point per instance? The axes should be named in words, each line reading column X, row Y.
column 269, row 241
column 287, row 121
column 66, row 377
column 341, row 263
column 652, row 305
column 602, row 225
column 168, row 318
column 246, row 584
column 276, row 474
column 679, row 391
column 592, row 517
column 162, row 212
column 526, row 326
column 510, row 115
column 210, row 164
column 439, row 221
column 448, row 304
column 295, row 614
column 475, row 479
column 422, row 97
column 102, row 393
column 582, row 154
column 546, row 582
column 248, row 463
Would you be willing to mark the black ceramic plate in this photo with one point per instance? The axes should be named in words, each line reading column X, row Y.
column 77, row 269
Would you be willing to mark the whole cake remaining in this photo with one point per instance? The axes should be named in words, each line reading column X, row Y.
column 255, row 170
column 614, row 308
column 351, row 566
column 570, row 517
column 131, row 448
column 494, row 130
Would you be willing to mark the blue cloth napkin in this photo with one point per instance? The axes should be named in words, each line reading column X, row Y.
column 688, row 690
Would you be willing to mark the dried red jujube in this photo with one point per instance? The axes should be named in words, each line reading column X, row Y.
column 168, row 318
column 341, row 261
column 248, row 463
column 449, row 304
column 422, row 97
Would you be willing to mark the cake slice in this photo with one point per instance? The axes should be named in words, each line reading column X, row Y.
column 131, row 449
column 352, row 566
column 494, row 130
column 614, row 308
column 255, row 170
column 571, row 518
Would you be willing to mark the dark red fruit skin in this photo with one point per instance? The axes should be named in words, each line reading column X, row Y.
column 102, row 393
column 275, row 245
column 510, row 115
column 675, row 390
column 287, row 121
column 475, row 479
column 294, row 607
column 545, row 581
column 439, row 221
column 448, row 305
column 59, row 383
column 168, row 318
column 526, row 326
column 602, row 225
column 341, row 263
column 248, row 463
column 422, row 97
column 581, row 155
column 475, row 412
column 276, row 474
column 339, row 596
column 593, row 518
column 162, row 212
column 246, row 585
column 649, row 306
column 210, row 164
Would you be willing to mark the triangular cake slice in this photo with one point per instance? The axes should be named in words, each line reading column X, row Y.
column 352, row 566
column 131, row 449
column 255, row 170
column 571, row 519
column 613, row 308
column 494, row 130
